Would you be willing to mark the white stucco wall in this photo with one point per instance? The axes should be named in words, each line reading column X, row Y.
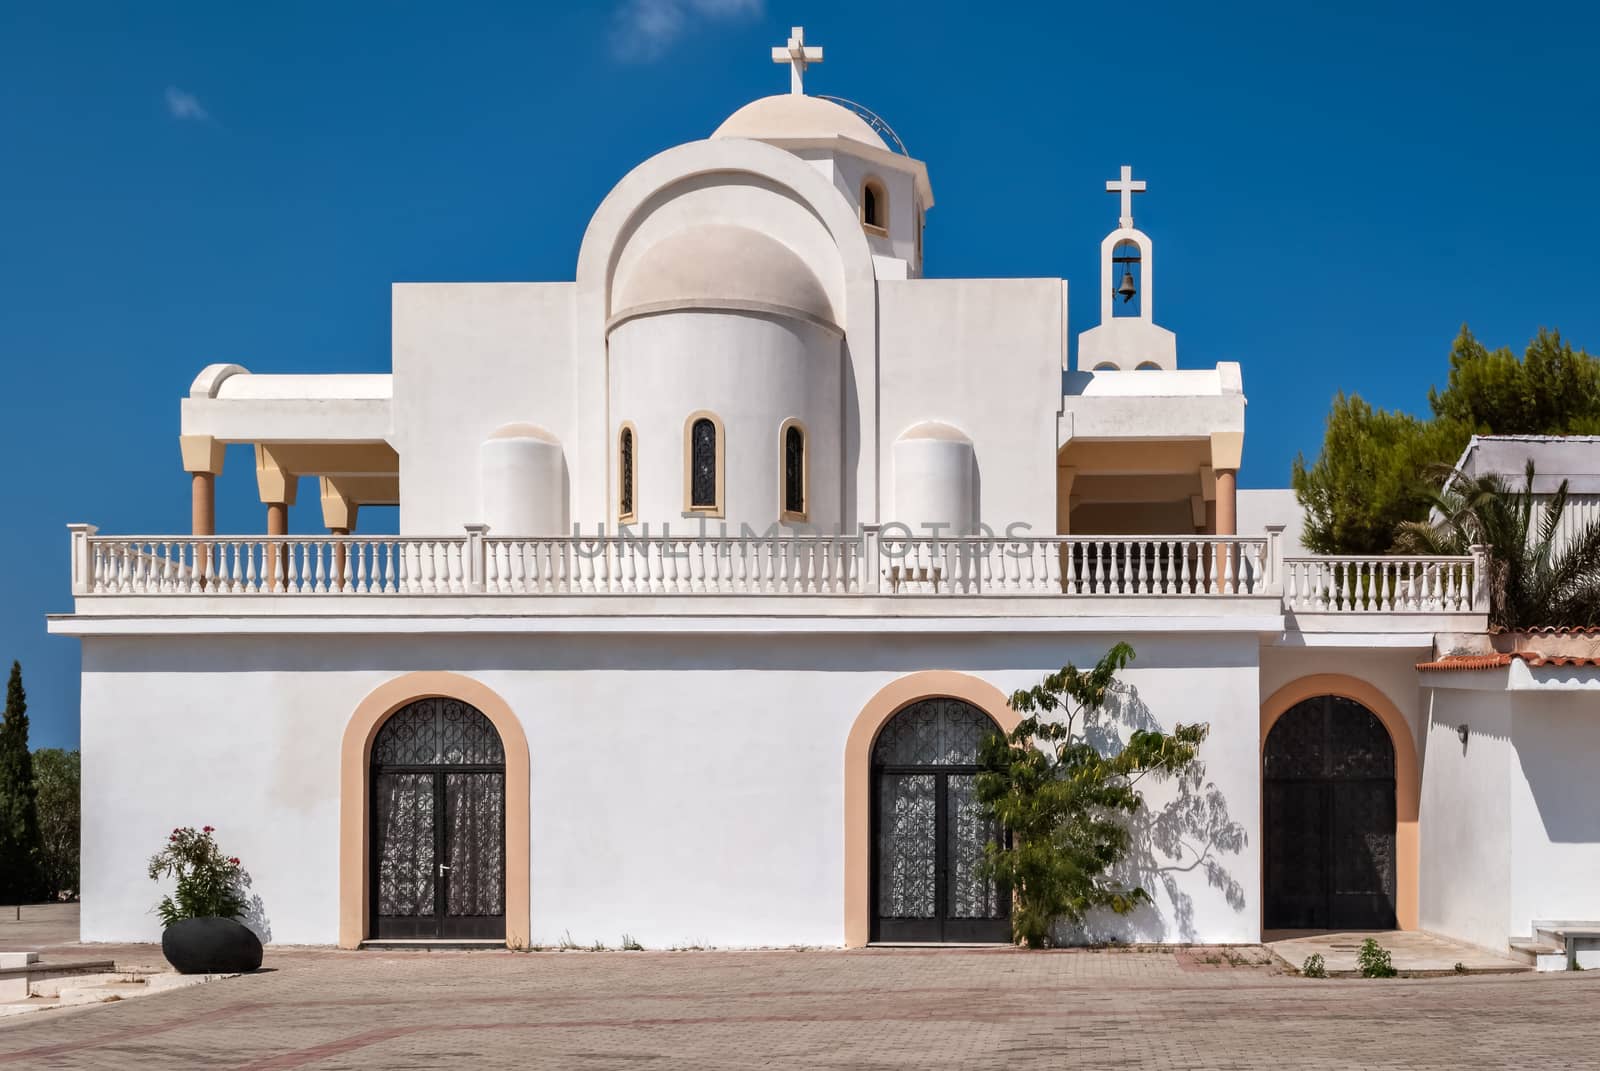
column 984, row 356
column 681, row 791
column 469, row 358
column 1464, row 823
column 1554, row 809
column 753, row 372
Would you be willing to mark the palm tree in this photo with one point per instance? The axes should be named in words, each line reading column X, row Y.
column 1532, row 581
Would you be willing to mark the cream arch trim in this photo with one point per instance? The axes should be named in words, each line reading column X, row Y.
column 354, row 793
column 1407, row 772
column 889, row 701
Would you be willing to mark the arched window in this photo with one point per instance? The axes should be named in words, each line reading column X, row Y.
column 1148, row 366
column 627, row 474
column 702, row 463
column 874, row 206
column 1106, row 366
column 796, row 471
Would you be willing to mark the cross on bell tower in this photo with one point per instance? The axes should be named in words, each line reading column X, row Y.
column 798, row 55
column 1126, row 186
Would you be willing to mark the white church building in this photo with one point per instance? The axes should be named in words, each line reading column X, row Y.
column 715, row 562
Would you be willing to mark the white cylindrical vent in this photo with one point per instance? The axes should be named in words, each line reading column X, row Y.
column 933, row 478
column 521, row 481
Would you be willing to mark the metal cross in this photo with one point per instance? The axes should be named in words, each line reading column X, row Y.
column 798, row 56
column 1127, row 187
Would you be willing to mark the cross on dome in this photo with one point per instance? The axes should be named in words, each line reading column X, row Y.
column 1126, row 186
column 798, row 55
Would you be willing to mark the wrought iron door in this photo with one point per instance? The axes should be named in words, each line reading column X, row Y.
column 438, row 824
column 1329, row 813
column 930, row 831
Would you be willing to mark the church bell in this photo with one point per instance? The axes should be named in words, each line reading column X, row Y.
column 1126, row 287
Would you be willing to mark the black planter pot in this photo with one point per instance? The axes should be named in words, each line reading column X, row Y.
column 211, row 946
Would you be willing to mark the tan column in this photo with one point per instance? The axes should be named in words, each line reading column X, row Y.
column 339, row 516
column 277, row 486
column 1227, row 502
column 202, row 459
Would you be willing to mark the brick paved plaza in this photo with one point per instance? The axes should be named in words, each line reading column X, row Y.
column 829, row 1009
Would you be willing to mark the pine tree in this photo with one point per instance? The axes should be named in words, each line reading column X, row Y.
column 21, row 850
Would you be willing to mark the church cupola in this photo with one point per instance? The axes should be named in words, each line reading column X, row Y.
column 1127, row 338
column 858, row 152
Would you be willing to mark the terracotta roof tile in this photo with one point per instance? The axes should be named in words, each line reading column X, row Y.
column 1473, row 661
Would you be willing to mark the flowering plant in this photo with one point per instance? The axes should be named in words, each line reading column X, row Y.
column 209, row 883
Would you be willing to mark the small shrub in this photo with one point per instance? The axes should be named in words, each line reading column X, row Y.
column 1373, row 960
column 631, row 944
column 209, row 884
column 567, row 944
column 1314, row 967
column 1461, row 968
column 598, row 946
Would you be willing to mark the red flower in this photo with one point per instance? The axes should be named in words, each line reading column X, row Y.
column 207, row 829
column 234, row 861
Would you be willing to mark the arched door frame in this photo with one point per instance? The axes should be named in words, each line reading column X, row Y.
column 1407, row 774
column 889, row 701
column 355, row 817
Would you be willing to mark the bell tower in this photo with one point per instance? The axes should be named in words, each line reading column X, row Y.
column 1127, row 338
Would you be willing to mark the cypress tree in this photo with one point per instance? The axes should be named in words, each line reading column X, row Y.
column 21, row 850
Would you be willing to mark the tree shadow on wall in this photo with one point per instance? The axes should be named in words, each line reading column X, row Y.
column 1186, row 830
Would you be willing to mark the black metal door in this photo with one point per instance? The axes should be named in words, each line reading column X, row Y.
column 1328, row 809
column 930, row 832
column 438, row 824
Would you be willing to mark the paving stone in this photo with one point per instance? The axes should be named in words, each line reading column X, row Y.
column 325, row 1009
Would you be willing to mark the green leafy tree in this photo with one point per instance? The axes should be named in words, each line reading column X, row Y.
column 56, row 773
column 1552, row 390
column 1534, row 580
column 1067, row 803
column 1365, row 483
column 20, row 854
column 1370, row 477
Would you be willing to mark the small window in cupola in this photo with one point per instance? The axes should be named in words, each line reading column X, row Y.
column 874, row 207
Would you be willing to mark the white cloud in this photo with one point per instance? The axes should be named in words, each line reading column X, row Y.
column 184, row 106
column 643, row 30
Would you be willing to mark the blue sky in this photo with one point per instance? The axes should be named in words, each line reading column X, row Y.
column 1331, row 195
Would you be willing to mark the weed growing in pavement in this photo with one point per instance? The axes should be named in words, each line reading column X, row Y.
column 1314, row 967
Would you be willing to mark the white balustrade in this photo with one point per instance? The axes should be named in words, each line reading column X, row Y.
column 1075, row 565
column 290, row 565
column 1072, row 567
column 1383, row 585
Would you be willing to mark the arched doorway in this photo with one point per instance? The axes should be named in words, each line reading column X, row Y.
column 438, row 806
column 1328, row 810
column 929, row 830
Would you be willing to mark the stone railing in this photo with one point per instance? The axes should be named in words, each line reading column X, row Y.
column 868, row 563
column 1386, row 585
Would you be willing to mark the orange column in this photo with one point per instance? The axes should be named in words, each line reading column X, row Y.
column 202, row 459
column 1227, row 502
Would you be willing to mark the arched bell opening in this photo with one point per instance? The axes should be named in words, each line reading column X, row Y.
column 1127, row 276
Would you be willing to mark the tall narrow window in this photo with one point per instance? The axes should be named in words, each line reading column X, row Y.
column 874, row 207
column 794, row 471
column 625, row 489
column 703, row 466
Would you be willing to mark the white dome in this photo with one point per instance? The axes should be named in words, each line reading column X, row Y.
column 720, row 266
column 795, row 115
